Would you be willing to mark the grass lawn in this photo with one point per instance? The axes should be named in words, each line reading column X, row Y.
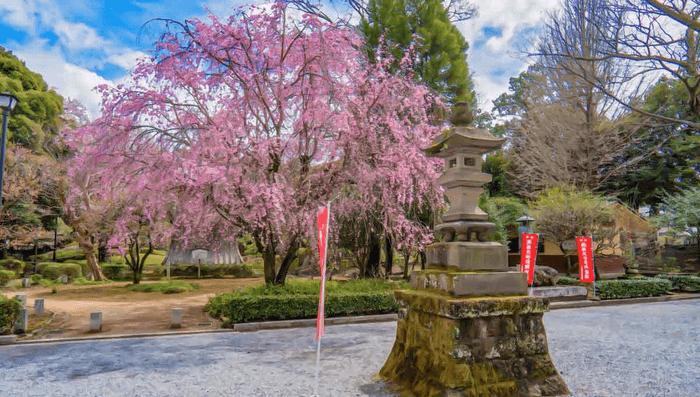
column 117, row 291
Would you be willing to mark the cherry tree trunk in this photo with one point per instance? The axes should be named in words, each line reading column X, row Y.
column 89, row 252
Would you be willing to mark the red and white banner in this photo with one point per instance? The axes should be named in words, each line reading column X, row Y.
column 323, row 220
column 585, row 259
column 528, row 255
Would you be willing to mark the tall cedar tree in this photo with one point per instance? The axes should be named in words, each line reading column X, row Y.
column 439, row 49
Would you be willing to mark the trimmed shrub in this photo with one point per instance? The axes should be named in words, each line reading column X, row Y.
column 6, row 276
column 299, row 299
column 309, row 287
column 16, row 265
column 36, row 278
column 682, row 283
column 237, row 271
column 62, row 255
column 55, row 270
column 241, row 308
column 9, row 311
column 565, row 280
column 618, row 289
column 117, row 272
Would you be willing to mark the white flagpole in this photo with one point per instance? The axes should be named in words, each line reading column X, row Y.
column 322, row 303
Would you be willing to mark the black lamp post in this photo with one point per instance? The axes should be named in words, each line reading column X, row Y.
column 7, row 104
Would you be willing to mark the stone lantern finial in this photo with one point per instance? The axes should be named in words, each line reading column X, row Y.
column 461, row 114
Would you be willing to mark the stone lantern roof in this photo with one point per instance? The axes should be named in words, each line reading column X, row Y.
column 463, row 136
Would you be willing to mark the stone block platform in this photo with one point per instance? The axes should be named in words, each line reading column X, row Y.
column 491, row 346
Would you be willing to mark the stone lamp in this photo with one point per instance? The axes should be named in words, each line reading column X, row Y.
column 467, row 327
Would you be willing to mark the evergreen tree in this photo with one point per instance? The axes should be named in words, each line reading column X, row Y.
column 675, row 149
column 34, row 121
column 439, row 49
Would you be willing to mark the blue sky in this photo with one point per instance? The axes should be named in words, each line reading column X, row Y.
column 77, row 44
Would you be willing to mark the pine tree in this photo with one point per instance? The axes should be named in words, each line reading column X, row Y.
column 440, row 59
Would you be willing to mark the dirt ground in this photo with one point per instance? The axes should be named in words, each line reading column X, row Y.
column 123, row 311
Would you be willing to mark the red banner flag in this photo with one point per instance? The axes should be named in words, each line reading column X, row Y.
column 323, row 220
column 585, row 259
column 528, row 255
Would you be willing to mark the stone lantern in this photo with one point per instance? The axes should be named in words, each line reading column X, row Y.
column 467, row 326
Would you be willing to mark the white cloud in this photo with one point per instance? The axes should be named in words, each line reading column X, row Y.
column 18, row 13
column 68, row 79
column 494, row 60
column 126, row 58
column 78, row 36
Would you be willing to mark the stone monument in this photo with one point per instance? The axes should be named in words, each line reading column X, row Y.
column 467, row 327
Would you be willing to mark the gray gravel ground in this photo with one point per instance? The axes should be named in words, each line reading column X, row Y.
column 633, row 350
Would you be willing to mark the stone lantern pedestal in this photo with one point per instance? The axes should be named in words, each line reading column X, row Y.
column 467, row 326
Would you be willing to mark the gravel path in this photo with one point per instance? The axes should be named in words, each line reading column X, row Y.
column 633, row 350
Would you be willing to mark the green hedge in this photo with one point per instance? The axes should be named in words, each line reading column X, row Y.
column 238, row 308
column 6, row 276
column 54, row 270
column 117, row 272
column 9, row 311
column 682, row 283
column 240, row 271
column 618, row 289
column 16, row 265
column 565, row 280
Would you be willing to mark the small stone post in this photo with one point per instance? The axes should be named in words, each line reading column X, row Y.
column 26, row 283
column 96, row 322
column 176, row 318
column 22, row 321
column 23, row 298
column 39, row 307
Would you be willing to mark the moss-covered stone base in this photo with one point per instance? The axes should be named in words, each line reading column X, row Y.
column 472, row 347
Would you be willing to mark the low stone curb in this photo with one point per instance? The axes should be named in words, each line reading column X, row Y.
column 270, row 325
column 8, row 339
column 311, row 322
column 616, row 302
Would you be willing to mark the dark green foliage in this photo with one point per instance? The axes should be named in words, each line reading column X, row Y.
column 54, row 270
column 673, row 163
column 619, row 289
column 9, row 311
column 210, row 271
column 682, row 283
column 307, row 287
column 62, row 255
column 299, row 299
column 13, row 264
column 164, row 287
column 247, row 308
column 249, row 248
column 497, row 165
column 6, row 276
column 440, row 49
column 503, row 212
column 564, row 280
column 117, row 272
column 34, row 121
